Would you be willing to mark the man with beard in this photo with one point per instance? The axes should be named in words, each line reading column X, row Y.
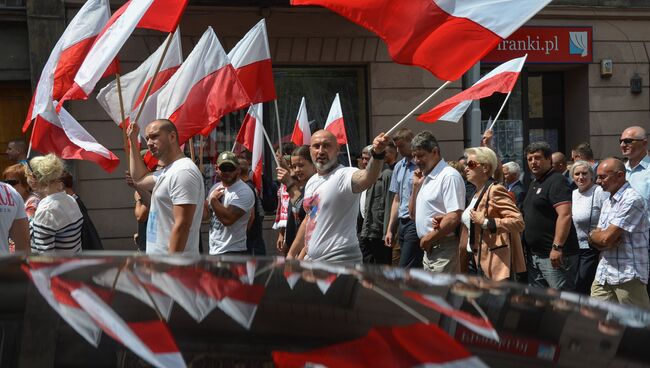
column 331, row 201
column 231, row 203
column 177, row 190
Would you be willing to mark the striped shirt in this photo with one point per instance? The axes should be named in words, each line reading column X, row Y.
column 56, row 227
column 626, row 210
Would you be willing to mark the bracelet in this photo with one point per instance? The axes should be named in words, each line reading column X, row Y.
column 377, row 156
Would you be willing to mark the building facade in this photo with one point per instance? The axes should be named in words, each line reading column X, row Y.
column 589, row 92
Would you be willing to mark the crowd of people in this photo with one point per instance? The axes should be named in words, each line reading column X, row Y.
column 579, row 226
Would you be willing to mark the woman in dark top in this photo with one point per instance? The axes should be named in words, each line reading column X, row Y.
column 302, row 168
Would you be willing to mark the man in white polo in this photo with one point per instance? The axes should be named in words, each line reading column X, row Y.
column 438, row 198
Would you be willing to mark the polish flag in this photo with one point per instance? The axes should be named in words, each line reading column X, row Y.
column 201, row 92
column 134, row 85
column 479, row 325
column 138, row 285
column 42, row 275
column 416, row 345
column 335, row 122
column 292, row 278
column 251, row 136
column 245, row 271
column 502, row 79
column 446, row 37
column 328, row 273
column 150, row 340
column 251, row 58
column 66, row 57
column 61, row 134
column 301, row 131
column 162, row 15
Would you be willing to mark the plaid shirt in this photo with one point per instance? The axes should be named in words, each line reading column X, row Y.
column 626, row 210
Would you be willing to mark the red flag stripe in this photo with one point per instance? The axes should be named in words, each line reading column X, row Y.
column 257, row 80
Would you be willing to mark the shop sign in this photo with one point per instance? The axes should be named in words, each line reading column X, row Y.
column 546, row 45
column 510, row 344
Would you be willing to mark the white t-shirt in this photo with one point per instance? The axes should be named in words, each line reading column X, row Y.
column 442, row 192
column 231, row 238
column 177, row 184
column 56, row 226
column 585, row 206
column 12, row 208
column 332, row 209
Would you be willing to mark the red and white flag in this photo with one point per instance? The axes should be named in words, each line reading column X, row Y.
column 162, row 15
column 134, row 84
column 301, row 131
column 61, row 134
column 44, row 275
column 335, row 122
column 66, row 57
column 150, row 340
column 479, row 325
column 200, row 93
column 138, row 285
column 251, row 136
column 251, row 58
column 502, row 79
column 245, row 271
column 417, row 345
column 446, row 37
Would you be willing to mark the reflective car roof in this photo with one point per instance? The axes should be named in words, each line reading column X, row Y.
column 125, row 310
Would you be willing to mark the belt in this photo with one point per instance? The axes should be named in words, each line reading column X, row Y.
column 404, row 220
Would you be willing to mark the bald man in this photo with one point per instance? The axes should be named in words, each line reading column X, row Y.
column 634, row 146
column 331, row 200
column 622, row 238
column 177, row 190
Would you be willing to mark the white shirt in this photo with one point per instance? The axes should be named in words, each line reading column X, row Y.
column 332, row 209
column 177, row 184
column 467, row 220
column 56, row 227
column 586, row 206
column 12, row 208
column 231, row 238
column 442, row 192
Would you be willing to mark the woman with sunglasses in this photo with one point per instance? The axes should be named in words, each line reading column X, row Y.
column 57, row 223
column 15, row 176
column 490, row 239
column 586, row 203
column 302, row 168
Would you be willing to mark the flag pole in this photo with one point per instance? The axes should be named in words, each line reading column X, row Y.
column 125, row 140
column 153, row 79
column 191, row 143
column 347, row 147
column 277, row 120
column 201, row 153
column 499, row 113
column 417, row 107
column 29, row 149
column 268, row 141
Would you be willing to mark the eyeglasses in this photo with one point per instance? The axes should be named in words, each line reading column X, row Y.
column 471, row 164
column 227, row 168
column 630, row 140
column 10, row 182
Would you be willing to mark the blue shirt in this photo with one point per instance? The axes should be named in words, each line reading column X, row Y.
column 639, row 179
column 402, row 184
column 629, row 260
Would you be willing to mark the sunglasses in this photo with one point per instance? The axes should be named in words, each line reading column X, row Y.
column 227, row 168
column 472, row 164
column 630, row 140
column 10, row 182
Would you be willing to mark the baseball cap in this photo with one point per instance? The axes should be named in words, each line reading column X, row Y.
column 227, row 157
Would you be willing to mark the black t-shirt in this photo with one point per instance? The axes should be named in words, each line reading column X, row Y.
column 543, row 196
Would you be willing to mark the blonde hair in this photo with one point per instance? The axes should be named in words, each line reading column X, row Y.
column 484, row 156
column 45, row 169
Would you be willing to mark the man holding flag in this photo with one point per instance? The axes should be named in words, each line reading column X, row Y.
column 177, row 190
column 331, row 201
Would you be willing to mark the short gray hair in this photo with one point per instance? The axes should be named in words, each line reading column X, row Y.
column 513, row 167
column 425, row 141
column 366, row 149
column 581, row 163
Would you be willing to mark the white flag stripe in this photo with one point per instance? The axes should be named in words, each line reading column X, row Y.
column 512, row 66
column 80, row 136
column 88, row 22
column 335, row 111
column 109, row 44
column 244, row 54
column 197, row 305
column 258, row 143
column 499, row 16
column 303, row 122
column 457, row 112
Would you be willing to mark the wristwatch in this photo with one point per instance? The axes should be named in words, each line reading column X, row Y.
column 558, row 247
column 377, row 156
